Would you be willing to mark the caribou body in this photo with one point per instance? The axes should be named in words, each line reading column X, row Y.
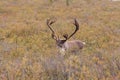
column 64, row 44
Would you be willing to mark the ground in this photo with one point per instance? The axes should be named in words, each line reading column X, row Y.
column 27, row 51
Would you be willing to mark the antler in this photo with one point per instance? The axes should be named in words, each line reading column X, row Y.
column 49, row 23
column 77, row 28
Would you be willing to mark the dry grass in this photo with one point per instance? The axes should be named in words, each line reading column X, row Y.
column 27, row 51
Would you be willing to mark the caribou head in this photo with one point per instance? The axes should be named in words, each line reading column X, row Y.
column 64, row 44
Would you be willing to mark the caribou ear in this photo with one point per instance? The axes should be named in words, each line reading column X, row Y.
column 65, row 36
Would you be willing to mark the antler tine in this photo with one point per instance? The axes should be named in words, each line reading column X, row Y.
column 49, row 23
column 76, row 24
column 77, row 28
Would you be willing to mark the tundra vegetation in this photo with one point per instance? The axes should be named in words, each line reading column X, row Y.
column 27, row 51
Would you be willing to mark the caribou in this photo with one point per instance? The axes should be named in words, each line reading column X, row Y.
column 65, row 44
